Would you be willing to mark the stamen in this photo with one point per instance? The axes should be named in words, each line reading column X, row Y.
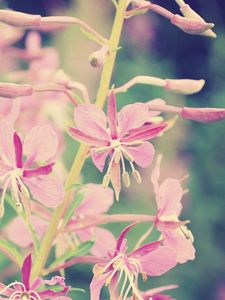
column 2, row 209
column 127, row 155
column 12, row 284
column 136, row 176
column 101, row 271
column 23, row 188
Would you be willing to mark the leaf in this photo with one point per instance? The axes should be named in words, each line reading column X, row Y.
column 81, row 250
column 10, row 249
column 75, row 203
column 92, row 37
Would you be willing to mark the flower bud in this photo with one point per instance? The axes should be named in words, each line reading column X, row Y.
column 188, row 12
column 184, row 86
column 204, row 115
column 106, row 180
column 61, row 78
column 189, row 25
column 13, row 90
column 97, row 58
column 140, row 3
column 16, row 18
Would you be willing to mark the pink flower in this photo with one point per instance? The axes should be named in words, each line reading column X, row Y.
column 33, row 172
column 120, row 270
column 120, row 136
column 168, row 199
column 155, row 294
column 97, row 200
column 31, row 291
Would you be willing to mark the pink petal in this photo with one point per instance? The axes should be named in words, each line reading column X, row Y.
column 4, row 168
column 96, row 285
column 17, row 229
column 183, row 246
column 204, row 115
column 143, row 155
column 26, row 270
column 47, row 190
column 169, row 198
column 97, row 199
column 7, row 150
column 116, row 179
column 156, row 174
column 122, row 236
column 99, row 158
column 99, row 249
column 132, row 116
column 85, row 138
column 43, row 170
column 145, row 132
column 40, row 143
column 112, row 115
column 18, row 150
column 159, row 261
column 91, row 120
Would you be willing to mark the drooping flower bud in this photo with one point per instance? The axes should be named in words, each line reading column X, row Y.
column 188, row 12
column 97, row 58
column 20, row 19
column 61, row 78
column 204, row 115
column 13, row 90
column 189, row 25
column 184, row 86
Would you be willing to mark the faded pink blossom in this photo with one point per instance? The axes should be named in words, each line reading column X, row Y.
column 120, row 136
column 97, row 200
column 33, row 172
column 31, row 291
column 120, row 267
column 168, row 199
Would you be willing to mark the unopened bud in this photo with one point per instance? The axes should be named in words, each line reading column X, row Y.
column 25, row 191
column 137, row 176
column 191, row 26
column 188, row 12
column 204, row 115
column 106, row 180
column 184, row 86
column 97, row 58
column 13, row 90
column 126, row 179
column 140, row 3
column 20, row 19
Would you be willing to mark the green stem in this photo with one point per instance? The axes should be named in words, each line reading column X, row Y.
column 80, row 157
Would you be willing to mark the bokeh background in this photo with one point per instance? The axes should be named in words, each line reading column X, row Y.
column 152, row 46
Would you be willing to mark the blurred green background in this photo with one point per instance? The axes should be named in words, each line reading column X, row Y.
column 152, row 46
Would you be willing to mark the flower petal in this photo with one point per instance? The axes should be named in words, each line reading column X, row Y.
column 143, row 155
column 112, row 115
column 7, row 150
column 43, row 170
column 26, row 270
column 86, row 138
column 145, row 132
column 4, row 168
column 47, row 190
column 96, row 285
column 18, row 150
column 40, row 143
column 98, row 199
column 92, row 120
column 99, row 158
column 159, row 261
column 132, row 116
column 169, row 198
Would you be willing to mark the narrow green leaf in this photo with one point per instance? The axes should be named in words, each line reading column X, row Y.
column 10, row 249
column 81, row 250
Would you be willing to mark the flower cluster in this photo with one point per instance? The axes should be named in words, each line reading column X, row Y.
column 56, row 212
